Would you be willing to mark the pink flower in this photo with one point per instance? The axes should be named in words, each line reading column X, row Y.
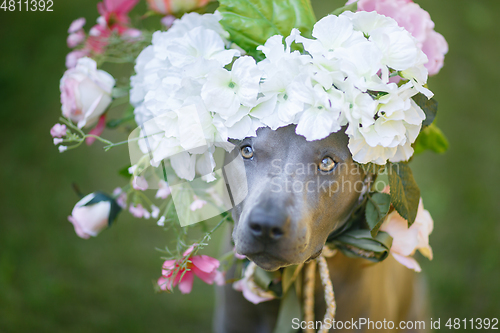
column 251, row 291
column 163, row 190
column 139, row 211
column 75, row 39
column 175, row 6
column 140, row 183
column 58, row 141
column 116, row 11
column 121, row 197
column 197, row 203
column 155, row 211
column 168, row 20
column 76, row 25
column 58, row 131
column 417, row 21
column 85, row 92
column 407, row 240
column 89, row 220
column 73, row 56
column 97, row 130
column 202, row 266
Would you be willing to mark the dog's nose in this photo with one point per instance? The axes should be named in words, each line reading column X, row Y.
column 266, row 226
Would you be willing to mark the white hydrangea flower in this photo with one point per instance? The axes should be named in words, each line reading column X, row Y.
column 225, row 91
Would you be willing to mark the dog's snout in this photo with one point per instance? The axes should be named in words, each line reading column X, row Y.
column 266, row 226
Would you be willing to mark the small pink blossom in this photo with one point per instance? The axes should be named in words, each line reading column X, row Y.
column 407, row 240
column 58, row 131
column 97, row 130
column 62, row 149
column 197, row 203
column 73, row 56
column 163, row 190
column 155, row 211
column 121, row 197
column 75, row 39
column 139, row 211
column 140, row 183
column 76, row 25
column 168, row 20
column 204, row 267
column 58, row 141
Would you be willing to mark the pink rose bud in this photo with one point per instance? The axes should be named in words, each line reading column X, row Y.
column 168, row 7
column 93, row 213
column 58, row 131
column 85, row 92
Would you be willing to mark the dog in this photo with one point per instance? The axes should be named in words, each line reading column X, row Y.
column 298, row 193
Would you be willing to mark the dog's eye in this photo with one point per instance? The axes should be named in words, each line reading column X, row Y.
column 327, row 164
column 247, row 152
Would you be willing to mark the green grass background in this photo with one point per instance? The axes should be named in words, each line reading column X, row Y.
column 52, row 281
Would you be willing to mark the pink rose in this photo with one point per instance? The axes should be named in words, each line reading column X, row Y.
column 176, row 6
column 85, row 92
column 92, row 214
column 407, row 240
column 417, row 21
column 202, row 266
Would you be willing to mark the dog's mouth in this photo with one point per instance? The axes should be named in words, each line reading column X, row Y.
column 268, row 261
column 315, row 255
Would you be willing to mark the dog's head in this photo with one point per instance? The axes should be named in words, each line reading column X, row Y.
column 298, row 193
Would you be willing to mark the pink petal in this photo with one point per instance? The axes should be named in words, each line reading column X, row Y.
column 208, row 278
column 409, row 262
column 186, row 284
column 164, row 283
column 189, row 250
column 220, row 278
column 78, row 229
column 97, row 130
column 76, row 25
column 205, row 263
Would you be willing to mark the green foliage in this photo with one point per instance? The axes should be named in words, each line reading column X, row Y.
column 251, row 22
column 360, row 243
column 353, row 7
column 431, row 138
column 429, row 106
column 377, row 207
column 405, row 194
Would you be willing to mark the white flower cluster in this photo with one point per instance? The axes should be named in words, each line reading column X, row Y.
column 342, row 79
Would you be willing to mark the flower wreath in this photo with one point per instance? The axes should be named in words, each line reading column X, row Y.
column 210, row 78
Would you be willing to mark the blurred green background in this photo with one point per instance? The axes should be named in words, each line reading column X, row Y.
column 52, row 281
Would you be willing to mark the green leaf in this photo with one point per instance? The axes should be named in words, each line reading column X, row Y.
column 376, row 209
column 288, row 277
column 289, row 309
column 429, row 106
column 405, row 194
column 263, row 278
column 251, row 22
column 124, row 172
column 431, row 138
column 353, row 7
column 360, row 243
